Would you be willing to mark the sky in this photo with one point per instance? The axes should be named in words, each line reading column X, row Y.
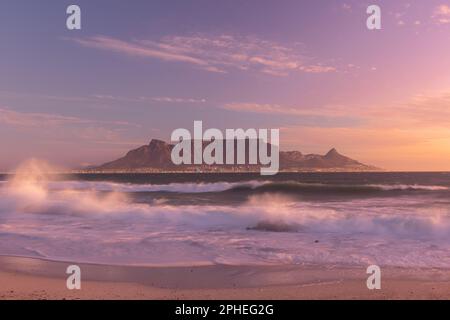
column 138, row 70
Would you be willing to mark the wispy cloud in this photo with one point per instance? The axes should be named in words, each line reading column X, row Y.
column 277, row 109
column 420, row 111
column 442, row 14
column 14, row 118
column 263, row 108
column 177, row 100
column 423, row 110
column 29, row 119
column 346, row 7
column 428, row 109
column 136, row 49
column 143, row 99
column 101, row 98
column 221, row 53
column 50, row 128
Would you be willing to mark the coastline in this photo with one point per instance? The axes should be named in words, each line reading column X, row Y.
column 37, row 279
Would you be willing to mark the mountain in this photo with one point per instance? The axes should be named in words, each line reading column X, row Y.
column 156, row 156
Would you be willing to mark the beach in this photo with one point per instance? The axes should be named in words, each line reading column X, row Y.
column 25, row 279
column 304, row 236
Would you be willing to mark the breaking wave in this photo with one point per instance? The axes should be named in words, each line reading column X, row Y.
column 172, row 187
column 101, row 223
column 250, row 186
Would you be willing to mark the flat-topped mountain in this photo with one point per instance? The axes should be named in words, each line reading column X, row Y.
column 156, row 156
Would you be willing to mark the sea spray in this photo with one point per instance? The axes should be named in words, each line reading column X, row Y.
column 79, row 221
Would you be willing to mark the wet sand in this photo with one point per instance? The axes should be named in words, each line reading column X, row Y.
column 28, row 278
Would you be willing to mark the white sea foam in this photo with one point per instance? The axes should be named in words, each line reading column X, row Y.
column 85, row 225
column 408, row 187
column 132, row 187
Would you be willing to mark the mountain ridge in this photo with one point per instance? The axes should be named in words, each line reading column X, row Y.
column 156, row 157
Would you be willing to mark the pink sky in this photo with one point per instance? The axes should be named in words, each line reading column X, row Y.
column 311, row 69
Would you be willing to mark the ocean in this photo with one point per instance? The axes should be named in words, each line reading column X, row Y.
column 332, row 219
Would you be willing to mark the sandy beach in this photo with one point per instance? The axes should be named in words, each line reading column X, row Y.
column 25, row 278
column 247, row 240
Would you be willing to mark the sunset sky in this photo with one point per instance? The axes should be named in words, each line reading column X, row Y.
column 140, row 69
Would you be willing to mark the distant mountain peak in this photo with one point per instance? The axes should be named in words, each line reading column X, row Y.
column 332, row 152
column 157, row 142
column 157, row 156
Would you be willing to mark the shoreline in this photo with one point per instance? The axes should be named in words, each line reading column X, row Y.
column 31, row 278
column 172, row 172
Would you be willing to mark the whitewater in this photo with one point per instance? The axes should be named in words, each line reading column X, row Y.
column 403, row 222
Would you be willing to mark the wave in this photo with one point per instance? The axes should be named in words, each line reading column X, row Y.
column 266, row 229
column 172, row 187
column 408, row 187
column 82, row 222
column 339, row 189
column 269, row 212
column 253, row 185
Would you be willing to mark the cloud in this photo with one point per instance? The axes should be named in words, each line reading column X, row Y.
column 177, row 100
column 427, row 109
column 325, row 116
column 136, row 49
column 442, row 14
column 143, row 99
column 52, row 129
column 263, row 108
column 346, row 7
column 14, row 118
column 219, row 54
column 95, row 99
column 319, row 68
column 420, row 111
column 25, row 119
column 327, row 110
